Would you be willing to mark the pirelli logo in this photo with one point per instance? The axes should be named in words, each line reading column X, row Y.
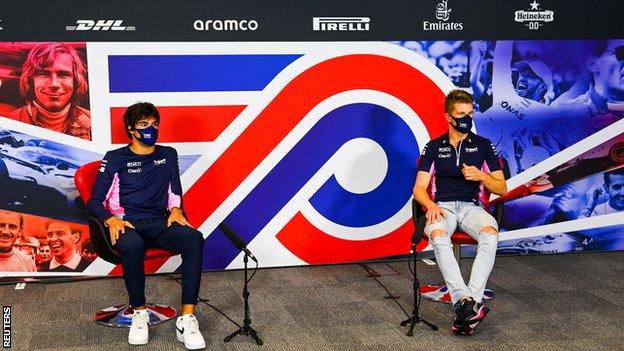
column 341, row 24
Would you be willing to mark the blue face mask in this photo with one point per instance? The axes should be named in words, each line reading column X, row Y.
column 463, row 124
column 148, row 135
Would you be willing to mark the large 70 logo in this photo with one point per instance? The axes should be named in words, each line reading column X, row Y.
column 334, row 203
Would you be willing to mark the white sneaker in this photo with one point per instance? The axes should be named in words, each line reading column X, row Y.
column 139, row 333
column 187, row 331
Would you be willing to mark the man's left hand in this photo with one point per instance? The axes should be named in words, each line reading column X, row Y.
column 472, row 173
column 177, row 216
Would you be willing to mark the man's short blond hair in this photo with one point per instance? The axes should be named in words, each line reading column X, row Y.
column 456, row 96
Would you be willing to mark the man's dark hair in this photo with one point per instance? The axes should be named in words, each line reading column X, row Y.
column 456, row 96
column 72, row 229
column 618, row 171
column 88, row 246
column 21, row 217
column 137, row 112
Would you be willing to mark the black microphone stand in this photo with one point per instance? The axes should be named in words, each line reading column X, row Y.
column 246, row 328
column 415, row 318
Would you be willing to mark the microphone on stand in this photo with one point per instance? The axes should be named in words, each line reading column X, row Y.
column 246, row 328
column 236, row 240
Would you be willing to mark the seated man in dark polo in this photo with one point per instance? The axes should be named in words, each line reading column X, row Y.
column 463, row 162
column 63, row 242
column 138, row 196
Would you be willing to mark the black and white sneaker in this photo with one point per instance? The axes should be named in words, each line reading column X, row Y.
column 187, row 331
column 469, row 315
column 475, row 313
column 458, row 326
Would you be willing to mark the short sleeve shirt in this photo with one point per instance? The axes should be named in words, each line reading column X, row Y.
column 445, row 163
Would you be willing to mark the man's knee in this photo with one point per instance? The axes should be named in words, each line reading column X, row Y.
column 198, row 237
column 437, row 233
column 488, row 230
column 194, row 237
column 130, row 244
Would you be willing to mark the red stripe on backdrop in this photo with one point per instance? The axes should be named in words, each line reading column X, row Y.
column 317, row 247
column 181, row 123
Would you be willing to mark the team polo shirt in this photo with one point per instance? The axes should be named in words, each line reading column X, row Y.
column 444, row 163
column 133, row 186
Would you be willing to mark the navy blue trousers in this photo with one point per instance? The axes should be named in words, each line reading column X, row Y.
column 181, row 239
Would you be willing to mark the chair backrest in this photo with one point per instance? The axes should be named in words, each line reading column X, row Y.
column 84, row 178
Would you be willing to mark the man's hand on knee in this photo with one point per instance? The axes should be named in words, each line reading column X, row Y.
column 434, row 213
column 116, row 227
column 177, row 216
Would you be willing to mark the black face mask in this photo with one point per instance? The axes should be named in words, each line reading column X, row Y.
column 463, row 124
column 148, row 135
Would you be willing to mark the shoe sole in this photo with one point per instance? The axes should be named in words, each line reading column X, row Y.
column 457, row 330
column 181, row 339
column 468, row 329
column 475, row 320
column 137, row 342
